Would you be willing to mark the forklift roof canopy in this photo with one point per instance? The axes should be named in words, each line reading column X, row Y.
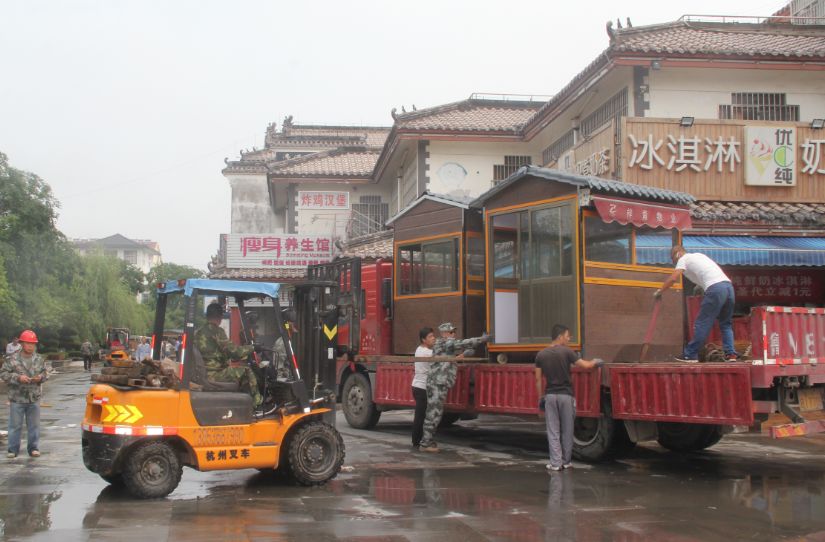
column 218, row 287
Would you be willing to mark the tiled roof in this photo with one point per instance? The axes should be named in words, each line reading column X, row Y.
column 342, row 162
column 719, row 39
column 471, row 115
column 427, row 195
column 376, row 245
column 783, row 214
column 594, row 184
column 373, row 136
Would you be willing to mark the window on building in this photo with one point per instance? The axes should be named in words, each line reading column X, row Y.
column 368, row 215
column 759, row 106
column 554, row 151
column 613, row 108
column 429, row 267
column 130, row 256
column 510, row 166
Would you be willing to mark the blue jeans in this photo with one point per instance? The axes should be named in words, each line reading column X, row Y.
column 717, row 304
column 31, row 412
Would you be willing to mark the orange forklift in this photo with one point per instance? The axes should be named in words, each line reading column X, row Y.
column 142, row 436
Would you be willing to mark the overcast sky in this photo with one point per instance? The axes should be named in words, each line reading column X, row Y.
column 128, row 108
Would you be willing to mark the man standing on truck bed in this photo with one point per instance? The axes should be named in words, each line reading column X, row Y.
column 441, row 378
column 716, row 304
column 218, row 353
column 554, row 364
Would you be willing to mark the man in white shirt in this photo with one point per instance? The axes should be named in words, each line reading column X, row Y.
column 13, row 347
column 419, row 384
column 717, row 304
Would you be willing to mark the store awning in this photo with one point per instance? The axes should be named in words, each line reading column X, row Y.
column 654, row 215
column 730, row 250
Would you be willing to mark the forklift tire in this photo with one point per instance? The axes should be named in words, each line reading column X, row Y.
column 152, row 470
column 359, row 409
column 316, row 453
column 115, row 480
column 688, row 437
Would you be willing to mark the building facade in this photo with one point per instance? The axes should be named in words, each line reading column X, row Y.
column 141, row 253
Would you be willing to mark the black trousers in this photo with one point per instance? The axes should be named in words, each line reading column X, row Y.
column 420, row 397
column 87, row 362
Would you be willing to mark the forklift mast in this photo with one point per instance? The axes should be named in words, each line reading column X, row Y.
column 346, row 273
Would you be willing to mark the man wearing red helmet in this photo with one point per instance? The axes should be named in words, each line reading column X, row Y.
column 24, row 373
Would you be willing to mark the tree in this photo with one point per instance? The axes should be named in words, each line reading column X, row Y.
column 170, row 272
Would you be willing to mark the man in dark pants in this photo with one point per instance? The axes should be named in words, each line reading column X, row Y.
column 559, row 405
column 717, row 304
column 419, row 384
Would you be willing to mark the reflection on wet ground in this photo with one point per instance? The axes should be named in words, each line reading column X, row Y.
column 489, row 483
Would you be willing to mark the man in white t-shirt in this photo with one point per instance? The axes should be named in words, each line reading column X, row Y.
column 13, row 347
column 717, row 304
column 419, row 384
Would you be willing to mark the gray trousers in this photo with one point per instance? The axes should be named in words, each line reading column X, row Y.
column 559, row 415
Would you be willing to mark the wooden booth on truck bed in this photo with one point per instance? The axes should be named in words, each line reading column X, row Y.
column 562, row 249
column 438, row 255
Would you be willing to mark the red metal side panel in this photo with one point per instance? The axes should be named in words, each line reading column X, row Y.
column 788, row 335
column 393, row 383
column 718, row 393
column 511, row 389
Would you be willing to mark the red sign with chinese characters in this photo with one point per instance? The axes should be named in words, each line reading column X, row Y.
column 246, row 250
column 777, row 286
column 642, row 214
column 323, row 200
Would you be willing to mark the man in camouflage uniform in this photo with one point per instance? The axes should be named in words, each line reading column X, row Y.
column 441, row 378
column 24, row 372
column 218, row 353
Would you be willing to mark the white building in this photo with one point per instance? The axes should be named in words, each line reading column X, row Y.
column 141, row 253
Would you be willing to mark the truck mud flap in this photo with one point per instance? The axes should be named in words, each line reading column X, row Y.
column 713, row 393
column 511, row 389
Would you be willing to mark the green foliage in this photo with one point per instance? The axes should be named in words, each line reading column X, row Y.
column 45, row 285
column 174, row 307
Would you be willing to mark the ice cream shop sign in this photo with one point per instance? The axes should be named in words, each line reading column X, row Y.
column 726, row 152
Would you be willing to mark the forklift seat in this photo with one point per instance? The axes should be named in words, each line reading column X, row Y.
column 202, row 380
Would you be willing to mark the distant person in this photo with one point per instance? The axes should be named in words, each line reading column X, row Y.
column 556, row 399
column 178, row 344
column 143, row 350
column 24, row 372
column 86, row 352
column 13, row 347
column 225, row 361
column 441, row 378
column 717, row 303
column 426, row 339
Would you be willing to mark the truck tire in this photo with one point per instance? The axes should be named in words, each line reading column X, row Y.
column 448, row 419
column 315, row 453
column 152, row 470
column 602, row 438
column 359, row 409
column 688, row 437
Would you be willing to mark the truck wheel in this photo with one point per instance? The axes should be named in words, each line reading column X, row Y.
column 152, row 470
column 316, row 453
column 602, row 438
column 448, row 419
column 688, row 437
column 359, row 410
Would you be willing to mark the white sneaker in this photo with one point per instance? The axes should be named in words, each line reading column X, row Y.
column 551, row 467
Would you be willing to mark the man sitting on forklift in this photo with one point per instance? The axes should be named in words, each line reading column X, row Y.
column 225, row 361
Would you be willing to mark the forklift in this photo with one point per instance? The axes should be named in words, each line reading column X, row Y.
column 142, row 436
column 117, row 345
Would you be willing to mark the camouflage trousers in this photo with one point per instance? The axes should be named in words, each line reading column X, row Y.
column 243, row 376
column 436, row 394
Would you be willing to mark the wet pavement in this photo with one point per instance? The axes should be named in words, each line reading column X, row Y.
column 488, row 483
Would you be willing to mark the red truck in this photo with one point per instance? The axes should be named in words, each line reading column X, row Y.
column 606, row 290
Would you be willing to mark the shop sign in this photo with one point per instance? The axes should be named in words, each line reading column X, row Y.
column 771, row 156
column 323, row 200
column 642, row 214
column 596, row 164
column 777, row 286
column 244, row 250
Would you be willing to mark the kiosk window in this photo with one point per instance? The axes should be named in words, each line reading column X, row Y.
column 430, row 267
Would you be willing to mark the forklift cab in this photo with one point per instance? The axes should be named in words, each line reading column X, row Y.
column 283, row 383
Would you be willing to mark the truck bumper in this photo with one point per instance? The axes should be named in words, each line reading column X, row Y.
column 101, row 452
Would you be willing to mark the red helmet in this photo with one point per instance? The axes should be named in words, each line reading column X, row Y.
column 28, row 336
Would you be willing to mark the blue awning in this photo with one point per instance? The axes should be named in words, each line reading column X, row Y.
column 219, row 287
column 745, row 251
